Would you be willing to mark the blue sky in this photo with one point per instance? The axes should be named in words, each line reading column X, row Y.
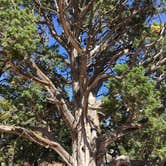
column 163, row 17
column 62, row 50
column 103, row 89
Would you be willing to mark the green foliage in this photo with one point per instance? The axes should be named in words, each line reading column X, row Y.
column 19, row 111
column 136, row 91
column 17, row 150
column 26, row 106
column 18, row 29
column 135, row 99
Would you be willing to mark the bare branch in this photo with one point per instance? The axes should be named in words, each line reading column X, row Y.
column 66, row 27
column 50, row 25
column 57, row 98
column 104, row 43
column 86, row 8
column 37, row 138
column 159, row 64
column 54, row 33
column 26, row 76
column 101, row 77
column 121, row 131
column 108, row 139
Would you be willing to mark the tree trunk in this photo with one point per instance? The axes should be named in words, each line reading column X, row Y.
column 85, row 140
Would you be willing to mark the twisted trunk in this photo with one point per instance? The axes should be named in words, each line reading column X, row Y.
column 85, row 140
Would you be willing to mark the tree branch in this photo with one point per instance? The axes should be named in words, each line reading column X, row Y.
column 57, row 98
column 99, row 78
column 86, row 8
column 104, row 43
column 108, row 139
column 26, row 76
column 66, row 28
column 48, row 22
column 37, row 138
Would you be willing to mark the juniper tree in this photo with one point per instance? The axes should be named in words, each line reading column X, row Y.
column 59, row 55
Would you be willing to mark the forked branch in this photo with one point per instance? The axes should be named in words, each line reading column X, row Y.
column 37, row 138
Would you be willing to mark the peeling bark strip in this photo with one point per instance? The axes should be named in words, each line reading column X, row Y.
column 37, row 138
column 85, row 141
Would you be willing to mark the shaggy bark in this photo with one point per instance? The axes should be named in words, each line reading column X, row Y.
column 37, row 138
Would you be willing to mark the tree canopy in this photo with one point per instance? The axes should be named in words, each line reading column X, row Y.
column 83, row 79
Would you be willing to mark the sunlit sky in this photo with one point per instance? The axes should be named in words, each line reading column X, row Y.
column 62, row 51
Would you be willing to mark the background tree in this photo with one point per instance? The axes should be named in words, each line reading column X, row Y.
column 56, row 57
